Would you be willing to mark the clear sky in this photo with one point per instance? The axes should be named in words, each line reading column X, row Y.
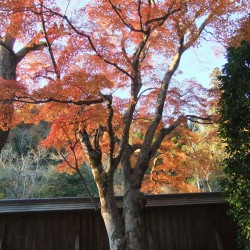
column 198, row 63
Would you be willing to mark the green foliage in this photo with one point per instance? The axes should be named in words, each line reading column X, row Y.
column 29, row 171
column 27, row 136
column 67, row 185
column 234, row 129
column 22, row 175
column 33, row 175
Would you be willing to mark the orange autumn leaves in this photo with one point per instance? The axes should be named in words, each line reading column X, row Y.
column 99, row 49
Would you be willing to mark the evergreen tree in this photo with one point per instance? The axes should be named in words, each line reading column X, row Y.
column 234, row 129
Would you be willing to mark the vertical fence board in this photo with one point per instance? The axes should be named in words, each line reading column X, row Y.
column 184, row 227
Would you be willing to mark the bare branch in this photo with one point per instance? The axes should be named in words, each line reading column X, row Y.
column 207, row 120
column 125, row 52
column 87, row 189
column 66, row 160
column 94, row 155
column 135, row 147
column 29, row 47
column 166, row 131
column 128, row 117
column 199, row 31
column 29, row 99
column 139, row 13
column 145, row 90
column 162, row 97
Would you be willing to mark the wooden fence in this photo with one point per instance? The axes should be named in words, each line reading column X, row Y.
column 171, row 222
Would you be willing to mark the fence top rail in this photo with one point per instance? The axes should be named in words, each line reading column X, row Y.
column 76, row 204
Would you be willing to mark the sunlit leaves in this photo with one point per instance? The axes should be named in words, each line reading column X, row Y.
column 120, row 49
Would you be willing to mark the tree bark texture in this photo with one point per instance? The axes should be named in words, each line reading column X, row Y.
column 8, row 72
column 127, row 235
column 134, row 202
column 112, row 218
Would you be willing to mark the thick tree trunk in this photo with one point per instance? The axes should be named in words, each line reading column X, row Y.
column 120, row 238
column 7, row 72
column 112, row 219
column 7, row 64
column 134, row 202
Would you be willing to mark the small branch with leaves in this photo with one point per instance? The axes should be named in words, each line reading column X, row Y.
column 32, row 100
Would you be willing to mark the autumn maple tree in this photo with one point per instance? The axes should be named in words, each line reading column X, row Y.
column 107, row 87
column 13, row 29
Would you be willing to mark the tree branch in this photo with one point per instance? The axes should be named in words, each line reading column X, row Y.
column 210, row 119
column 28, row 99
column 29, row 47
column 76, row 168
column 94, row 155
column 111, row 166
column 162, row 97
column 89, row 40
column 49, row 45
column 162, row 19
column 2, row 43
column 199, row 31
column 166, row 131
column 128, row 116
column 118, row 13
column 139, row 13
column 163, row 133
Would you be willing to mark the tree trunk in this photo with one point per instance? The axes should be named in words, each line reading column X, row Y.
column 127, row 236
column 134, row 202
column 3, row 138
column 8, row 72
column 198, row 182
column 208, row 185
column 7, row 64
column 112, row 219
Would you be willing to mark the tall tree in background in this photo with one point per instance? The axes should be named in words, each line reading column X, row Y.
column 235, row 130
column 135, row 47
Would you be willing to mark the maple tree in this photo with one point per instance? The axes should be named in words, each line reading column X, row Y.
column 12, row 28
column 134, row 47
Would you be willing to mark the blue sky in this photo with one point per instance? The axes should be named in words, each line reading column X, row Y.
column 198, row 63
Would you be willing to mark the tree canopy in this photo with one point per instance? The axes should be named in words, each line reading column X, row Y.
column 235, row 129
column 106, row 83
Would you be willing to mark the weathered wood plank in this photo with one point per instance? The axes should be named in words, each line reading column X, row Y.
column 187, row 227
